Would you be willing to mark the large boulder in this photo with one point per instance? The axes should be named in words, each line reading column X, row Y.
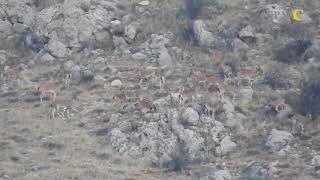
column 79, row 24
column 316, row 161
column 190, row 117
column 118, row 140
column 130, row 32
column 5, row 29
column 57, row 48
column 203, row 36
column 103, row 39
column 278, row 140
column 159, row 51
column 226, row 146
column 247, row 34
column 164, row 58
column 18, row 11
column 194, row 144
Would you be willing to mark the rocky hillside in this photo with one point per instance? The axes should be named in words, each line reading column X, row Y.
column 159, row 89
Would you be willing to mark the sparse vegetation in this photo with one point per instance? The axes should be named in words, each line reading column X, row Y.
column 292, row 52
column 277, row 77
column 145, row 104
column 310, row 96
column 41, row 4
column 180, row 159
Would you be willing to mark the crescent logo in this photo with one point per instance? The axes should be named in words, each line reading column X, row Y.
column 296, row 14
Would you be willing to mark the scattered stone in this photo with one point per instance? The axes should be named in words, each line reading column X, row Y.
column 139, row 56
column 144, row 3
column 222, row 175
column 116, row 83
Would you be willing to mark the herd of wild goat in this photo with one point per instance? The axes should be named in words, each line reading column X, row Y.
column 209, row 90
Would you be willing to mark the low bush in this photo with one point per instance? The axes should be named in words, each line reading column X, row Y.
column 292, row 52
column 277, row 77
column 310, row 96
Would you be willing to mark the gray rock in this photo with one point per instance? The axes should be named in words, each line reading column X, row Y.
column 130, row 32
column 57, row 48
column 86, row 74
column 164, row 59
column 116, row 83
column 263, row 40
column 19, row 28
column 162, row 103
column 217, row 131
column 85, row 5
column 78, row 24
column 222, row 175
column 118, row 140
column 316, row 161
column 25, row 83
column 103, row 39
column 306, row 19
column 246, row 95
column 283, row 115
column 204, row 37
column 139, row 56
column 159, row 51
column 69, row 64
column 99, row 80
column 158, row 41
column 239, row 45
column 19, row 12
column 190, row 117
column 76, row 71
column 120, row 43
column 226, row 146
column 47, row 58
column 5, row 29
column 278, row 139
column 228, row 106
column 247, row 33
column 144, row 3
column 194, row 144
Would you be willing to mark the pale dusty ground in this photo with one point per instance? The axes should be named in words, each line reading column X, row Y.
column 34, row 146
